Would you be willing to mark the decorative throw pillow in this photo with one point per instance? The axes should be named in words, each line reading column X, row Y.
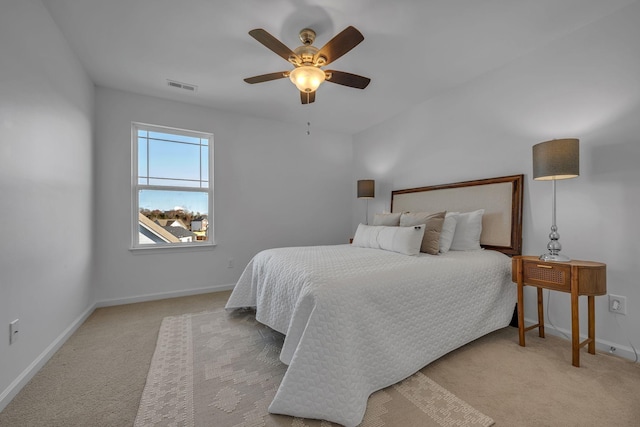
column 404, row 240
column 388, row 219
column 468, row 230
column 448, row 229
column 433, row 223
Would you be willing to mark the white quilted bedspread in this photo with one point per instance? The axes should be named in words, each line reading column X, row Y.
column 357, row 320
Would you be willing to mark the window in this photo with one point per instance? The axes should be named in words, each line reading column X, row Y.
column 172, row 187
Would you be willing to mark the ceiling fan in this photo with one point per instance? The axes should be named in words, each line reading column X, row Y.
column 308, row 60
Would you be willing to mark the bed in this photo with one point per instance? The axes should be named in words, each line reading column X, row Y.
column 357, row 319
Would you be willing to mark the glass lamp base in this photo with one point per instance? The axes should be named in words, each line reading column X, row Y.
column 556, row 257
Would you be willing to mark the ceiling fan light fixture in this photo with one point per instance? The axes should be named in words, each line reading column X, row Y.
column 308, row 61
column 307, row 78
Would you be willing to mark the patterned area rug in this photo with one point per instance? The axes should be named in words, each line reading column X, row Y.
column 223, row 369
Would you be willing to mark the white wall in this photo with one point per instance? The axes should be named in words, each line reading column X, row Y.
column 274, row 186
column 46, row 180
column 585, row 85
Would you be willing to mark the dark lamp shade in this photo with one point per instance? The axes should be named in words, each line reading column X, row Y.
column 366, row 189
column 556, row 159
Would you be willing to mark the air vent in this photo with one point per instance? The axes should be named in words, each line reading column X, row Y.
column 184, row 86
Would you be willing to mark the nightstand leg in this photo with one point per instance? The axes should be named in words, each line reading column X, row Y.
column 592, row 324
column 521, row 311
column 540, row 313
column 575, row 326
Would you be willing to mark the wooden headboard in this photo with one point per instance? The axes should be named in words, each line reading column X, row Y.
column 501, row 199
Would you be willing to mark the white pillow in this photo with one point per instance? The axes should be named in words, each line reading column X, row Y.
column 468, row 230
column 405, row 240
column 390, row 219
column 448, row 229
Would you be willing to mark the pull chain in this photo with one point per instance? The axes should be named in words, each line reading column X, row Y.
column 308, row 107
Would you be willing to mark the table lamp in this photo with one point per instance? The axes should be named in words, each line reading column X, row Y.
column 366, row 190
column 554, row 160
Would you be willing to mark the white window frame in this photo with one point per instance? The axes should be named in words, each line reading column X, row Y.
column 136, row 187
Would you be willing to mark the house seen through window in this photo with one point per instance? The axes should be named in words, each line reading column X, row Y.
column 172, row 187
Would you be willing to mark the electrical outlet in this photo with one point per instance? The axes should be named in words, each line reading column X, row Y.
column 617, row 304
column 13, row 331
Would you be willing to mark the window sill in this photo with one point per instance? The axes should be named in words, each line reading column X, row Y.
column 178, row 248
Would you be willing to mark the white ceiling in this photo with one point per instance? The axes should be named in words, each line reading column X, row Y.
column 413, row 49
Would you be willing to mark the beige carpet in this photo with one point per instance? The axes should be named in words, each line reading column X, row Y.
column 97, row 377
column 223, row 369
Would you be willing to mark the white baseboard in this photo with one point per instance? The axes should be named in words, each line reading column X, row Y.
column 163, row 295
column 602, row 346
column 26, row 375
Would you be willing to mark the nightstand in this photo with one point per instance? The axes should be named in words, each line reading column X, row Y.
column 574, row 277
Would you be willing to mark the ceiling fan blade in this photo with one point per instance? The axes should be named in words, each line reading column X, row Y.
column 307, row 97
column 272, row 43
column 266, row 77
column 340, row 44
column 348, row 79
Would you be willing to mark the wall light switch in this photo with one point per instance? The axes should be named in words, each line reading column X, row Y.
column 13, row 331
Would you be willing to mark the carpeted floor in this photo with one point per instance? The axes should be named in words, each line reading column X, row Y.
column 97, row 377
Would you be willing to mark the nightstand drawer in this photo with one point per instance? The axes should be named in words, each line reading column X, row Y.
column 547, row 275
